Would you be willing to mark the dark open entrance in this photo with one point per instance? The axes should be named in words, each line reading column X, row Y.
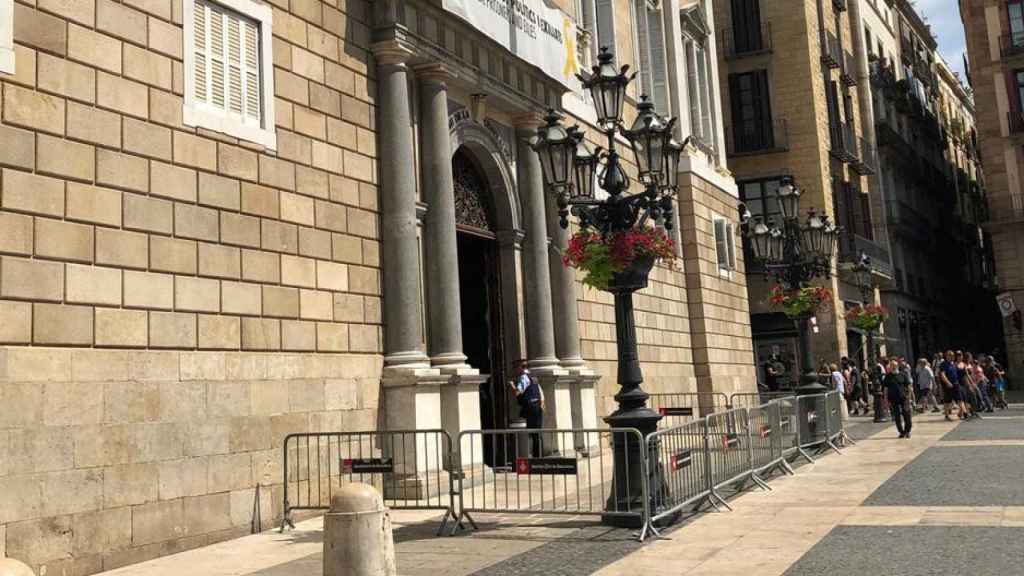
column 480, row 292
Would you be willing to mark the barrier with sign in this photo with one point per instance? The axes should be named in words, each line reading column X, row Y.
column 409, row 467
column 789, row 425
column 537, row 478
column 682, row 407
column 766, row 441
column 836, row 432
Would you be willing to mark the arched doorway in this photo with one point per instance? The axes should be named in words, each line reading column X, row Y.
column 480, row 287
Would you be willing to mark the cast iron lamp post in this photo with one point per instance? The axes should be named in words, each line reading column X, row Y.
column 570, row 168
column 862, row 269
column 794, row 254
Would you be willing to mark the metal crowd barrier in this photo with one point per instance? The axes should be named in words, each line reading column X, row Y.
column 544, row 474
column 752, row 399
column 680, row 457
column 727, row 439
column 766, row 450
column 836, row 429
column 566, row 472
column 681, row 407
column 409, row 467
column 789, row 425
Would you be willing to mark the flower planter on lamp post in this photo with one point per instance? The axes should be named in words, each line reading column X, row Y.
column 617, row 247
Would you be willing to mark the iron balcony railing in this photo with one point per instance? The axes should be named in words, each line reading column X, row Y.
column 909, row 222
column 848, row 70
column 1011, row 44
column 867, row 160
column 749, row 43
column 844, row 142
column 852, row 245
column 757, row 137
column 1015, row 121
column 831, row 51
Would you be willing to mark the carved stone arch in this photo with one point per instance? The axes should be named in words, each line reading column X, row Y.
column 497, row 170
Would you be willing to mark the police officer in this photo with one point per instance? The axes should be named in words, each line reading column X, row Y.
column 531, row 405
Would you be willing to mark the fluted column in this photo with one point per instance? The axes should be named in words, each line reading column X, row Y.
column 403, row 311
column 540, row 333
column 563, row 297
column 442, row 258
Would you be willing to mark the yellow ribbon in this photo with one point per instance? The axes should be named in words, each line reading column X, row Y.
column 570, row 49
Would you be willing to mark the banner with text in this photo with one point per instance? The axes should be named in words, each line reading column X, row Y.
column 541, row 35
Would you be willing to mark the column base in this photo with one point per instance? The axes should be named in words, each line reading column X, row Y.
column 543, row 364
column 411, row 400
column 460, row 411
column 409, row 360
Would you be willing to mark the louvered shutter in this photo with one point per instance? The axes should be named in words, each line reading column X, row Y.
column 643, row 46
column 226, row 71
column 693, row 89
column 659, row 71
column 605, row 24
column 199, row 18
column 730, row 241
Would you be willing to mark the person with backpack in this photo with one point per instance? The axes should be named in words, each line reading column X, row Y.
column 531, row 405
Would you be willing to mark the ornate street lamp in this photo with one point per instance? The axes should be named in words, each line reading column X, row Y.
column 794, row 254
column 865, row 281
column 657, row 157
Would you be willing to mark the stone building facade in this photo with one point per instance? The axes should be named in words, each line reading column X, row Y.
column 930, row 198
column 223, row 221
column 794, row 94
column 995, row 44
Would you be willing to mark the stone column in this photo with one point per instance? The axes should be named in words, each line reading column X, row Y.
column 442, row 258
column 540, row 332
column 563, row 297
column 403, row 312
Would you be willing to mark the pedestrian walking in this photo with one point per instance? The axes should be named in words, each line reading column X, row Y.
column 839, row 384
column 950, row 386
column 531, row 406
column 926, row 381
column 997, row 382
column 898, row 390
column 982, row 383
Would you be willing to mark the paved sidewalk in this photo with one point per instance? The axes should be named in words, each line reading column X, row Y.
column 853, row 500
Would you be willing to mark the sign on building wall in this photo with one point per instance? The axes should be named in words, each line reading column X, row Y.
column 1006, row 304
column 543, row 36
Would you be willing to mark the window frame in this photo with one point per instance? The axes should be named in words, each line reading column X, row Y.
column 7, row 60
column 728, row 267
column 198, row 115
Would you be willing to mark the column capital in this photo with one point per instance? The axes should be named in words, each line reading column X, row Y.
column 528, row 121
column 392, row 51
column 511, row 238
column 433, row 73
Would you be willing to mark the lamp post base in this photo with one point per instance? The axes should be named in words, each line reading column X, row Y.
column 625, row 504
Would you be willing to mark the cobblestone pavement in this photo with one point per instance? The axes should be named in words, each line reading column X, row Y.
column 885, row 507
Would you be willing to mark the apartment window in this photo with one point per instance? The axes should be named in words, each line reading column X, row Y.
column 1018, row 76
column 751, row 111
column 605, row 19
column 229, row 84
column 725, row 245
column 1015, row 14
column 699, row 91
column 7, row 36
column 746, row 26
column 867, row 38
column 759, row 198
column 650, row 43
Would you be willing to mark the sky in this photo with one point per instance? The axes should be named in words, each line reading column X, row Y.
column 944, row 18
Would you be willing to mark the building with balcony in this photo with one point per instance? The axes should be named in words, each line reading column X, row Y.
column 930, row 190
column 792, row 94
column 995, row 46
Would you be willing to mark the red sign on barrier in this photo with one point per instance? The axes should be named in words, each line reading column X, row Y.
column 366, row 465
column 547, row 466
column 682, row 459
column 765, row 431
column 729, row 440
column 675, row 411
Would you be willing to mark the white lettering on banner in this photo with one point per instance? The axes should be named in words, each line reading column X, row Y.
column 542, row 36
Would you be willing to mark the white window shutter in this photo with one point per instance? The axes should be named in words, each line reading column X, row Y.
column 199, row 44
column 659, row 70
column 252, row 73
column 643, row 47
column 721, row 248
column 693, row 89
column 605, row 24
column 234, row 66
column 218, row 88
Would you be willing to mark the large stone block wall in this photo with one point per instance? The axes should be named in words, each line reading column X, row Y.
column 173, row 301
column 110, row 457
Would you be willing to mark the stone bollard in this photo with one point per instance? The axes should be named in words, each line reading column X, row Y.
column 11, row 567
column 357, row 534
